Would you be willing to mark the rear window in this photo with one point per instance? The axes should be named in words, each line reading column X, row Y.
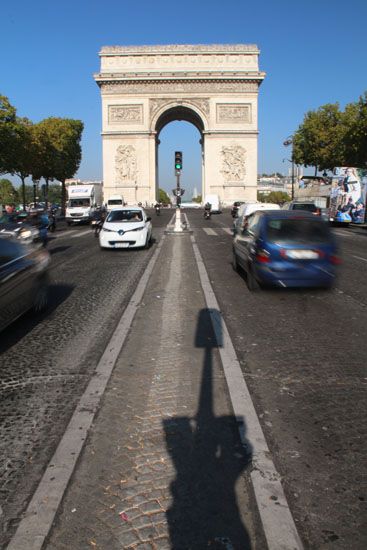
column 297, row 231
column 115, row 201
column 304, row 206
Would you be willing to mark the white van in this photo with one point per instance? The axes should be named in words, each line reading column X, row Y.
column 114, row 201
column 248, row 208
column 215, row 203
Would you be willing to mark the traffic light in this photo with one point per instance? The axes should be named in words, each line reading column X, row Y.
column 178, row 160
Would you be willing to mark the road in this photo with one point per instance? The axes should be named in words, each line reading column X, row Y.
column 302, row 355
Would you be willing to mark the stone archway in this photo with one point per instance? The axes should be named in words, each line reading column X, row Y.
column 215, row 87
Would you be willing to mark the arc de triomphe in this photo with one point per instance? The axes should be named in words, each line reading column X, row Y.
column 215, row 87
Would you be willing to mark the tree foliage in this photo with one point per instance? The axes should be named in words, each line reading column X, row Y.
column 8, row 193
column 277, row 197
column 163, row 197
column 329, row 137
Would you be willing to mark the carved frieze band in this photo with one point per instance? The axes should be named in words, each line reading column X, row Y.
column 151, row 87
column 233, row 163
column 235, row 113
column 125, row 114
column 159, row 102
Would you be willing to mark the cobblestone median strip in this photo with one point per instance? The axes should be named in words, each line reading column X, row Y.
column 279, row 527
column 39, row 516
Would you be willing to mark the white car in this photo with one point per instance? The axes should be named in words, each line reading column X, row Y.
column 127, row 227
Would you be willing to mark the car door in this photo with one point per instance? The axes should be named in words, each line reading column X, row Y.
column 16, row 281
column 244, row 240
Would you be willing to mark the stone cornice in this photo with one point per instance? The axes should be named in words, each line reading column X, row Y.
column 179, row 48
column 221, row 76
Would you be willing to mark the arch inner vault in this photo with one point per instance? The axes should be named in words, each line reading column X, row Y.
column 214, row 87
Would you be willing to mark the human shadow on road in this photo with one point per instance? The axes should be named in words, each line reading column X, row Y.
column 209, row 457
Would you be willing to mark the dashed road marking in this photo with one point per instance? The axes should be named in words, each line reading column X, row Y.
column 210, row 231
column 64, row 233
column 228, row 230
column 359, row 258
column 82, row 233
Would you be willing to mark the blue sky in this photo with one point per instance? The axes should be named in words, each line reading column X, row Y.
column 313, row 52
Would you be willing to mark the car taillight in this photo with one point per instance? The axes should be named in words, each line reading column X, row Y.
column 262, row 256
column 335, row 260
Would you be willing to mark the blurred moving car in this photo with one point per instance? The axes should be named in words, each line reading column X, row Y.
column 286, row 249
column 234, row 209
column 127, row 227
column 18, row 225
column 308, row 206
column 248, row 208
column 23, row 279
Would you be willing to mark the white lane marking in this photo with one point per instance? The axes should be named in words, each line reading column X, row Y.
column 210, row 231
column 66, row 232
column 359, row 258
column 278, row 524
column 342, row 234
column 82, row 233
column 40, row 514
column 228, row 230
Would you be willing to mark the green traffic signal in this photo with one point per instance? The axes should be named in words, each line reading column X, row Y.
column 178, row 160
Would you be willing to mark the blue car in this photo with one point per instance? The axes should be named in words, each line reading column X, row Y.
column 286, row 248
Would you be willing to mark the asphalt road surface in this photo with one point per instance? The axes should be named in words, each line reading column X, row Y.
column 302, row 353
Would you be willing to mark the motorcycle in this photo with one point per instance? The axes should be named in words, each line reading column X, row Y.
column 97, row 226
column 158, row 210
column 51, row 221
column 207, row 214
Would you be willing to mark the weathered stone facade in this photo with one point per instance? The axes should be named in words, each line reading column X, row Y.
column 215, row 87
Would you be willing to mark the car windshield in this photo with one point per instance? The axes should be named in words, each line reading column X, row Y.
column 125, row 216
column 299, row 231
column 304, row 206
column 115, row 201
column 79, row 202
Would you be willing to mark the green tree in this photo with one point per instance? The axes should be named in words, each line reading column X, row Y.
column 7, row 122
column 277, row 197
column 8, row 193
column 23, row 152
column 198, row 199
column 354, row 133
column 163, row 197
column 317, row 141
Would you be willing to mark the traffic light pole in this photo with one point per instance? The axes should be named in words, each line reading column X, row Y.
column 178, row 225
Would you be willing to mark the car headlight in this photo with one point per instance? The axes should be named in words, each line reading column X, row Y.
column 139, row 228
column 25, row 234
column 106, row 229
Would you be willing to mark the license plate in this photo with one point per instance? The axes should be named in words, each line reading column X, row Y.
column 121, row 245
column 302, row 254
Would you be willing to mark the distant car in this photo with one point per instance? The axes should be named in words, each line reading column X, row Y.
column 127, row 227
column 23, row 279
column 286, row 249
column 234, row 209
column 308, row 206
column 247, row 208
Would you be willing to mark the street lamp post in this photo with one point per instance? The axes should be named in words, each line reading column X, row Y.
column 286, row 143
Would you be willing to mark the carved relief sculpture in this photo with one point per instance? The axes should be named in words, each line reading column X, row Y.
column 125, row 114
column 125, row 164
column 233, row 163
column 233, row 112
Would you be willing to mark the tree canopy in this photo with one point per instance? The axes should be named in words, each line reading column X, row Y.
column 329, row 137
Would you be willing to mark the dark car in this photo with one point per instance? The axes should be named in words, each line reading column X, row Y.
column 23, row 279
column 307, row 206
column 286, row 248
column 235, row 207
column 22, row 226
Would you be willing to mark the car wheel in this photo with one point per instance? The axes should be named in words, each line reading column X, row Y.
column 40, row 301
column 252, row 283
column 235, row 265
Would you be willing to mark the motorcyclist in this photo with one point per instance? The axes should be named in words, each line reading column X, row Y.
column 99, row 217
column 157, row 208
column 207, row 210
